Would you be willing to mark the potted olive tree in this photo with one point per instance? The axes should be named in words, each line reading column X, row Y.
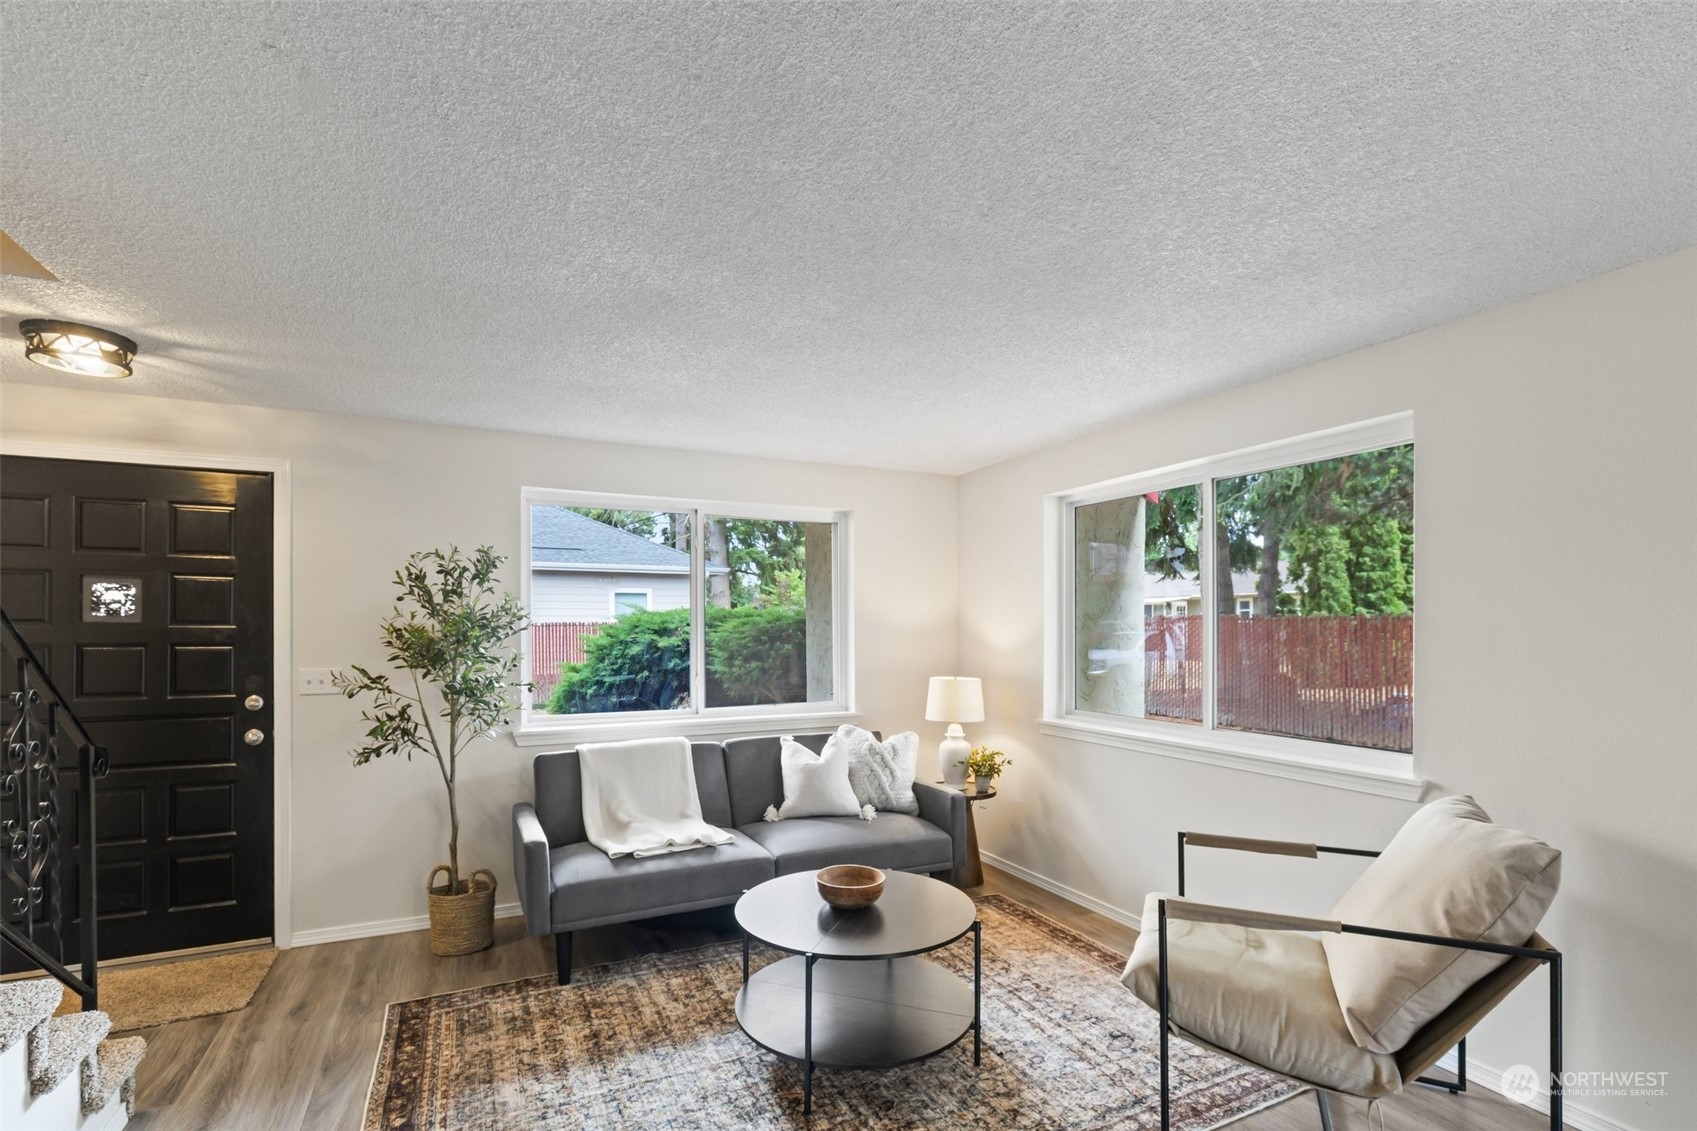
column 450, row 639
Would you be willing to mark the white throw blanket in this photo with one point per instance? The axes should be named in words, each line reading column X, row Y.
column 639, row 798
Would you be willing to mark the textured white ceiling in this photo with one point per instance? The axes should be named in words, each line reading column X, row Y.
column 922, row 235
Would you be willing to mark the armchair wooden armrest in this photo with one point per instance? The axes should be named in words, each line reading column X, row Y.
column 1256, row 844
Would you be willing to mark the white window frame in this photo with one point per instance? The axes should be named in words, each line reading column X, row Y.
column 613, row 596
column 1245, row 606
column 1384, row 772
column 540, row 729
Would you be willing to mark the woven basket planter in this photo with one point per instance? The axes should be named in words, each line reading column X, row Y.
column 461, row 922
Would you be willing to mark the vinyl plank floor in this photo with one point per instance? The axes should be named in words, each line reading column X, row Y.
column 299, row 1057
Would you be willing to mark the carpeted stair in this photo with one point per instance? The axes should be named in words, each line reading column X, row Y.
column 59, row 1047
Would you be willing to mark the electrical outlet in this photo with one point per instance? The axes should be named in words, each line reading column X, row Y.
column 317, row 681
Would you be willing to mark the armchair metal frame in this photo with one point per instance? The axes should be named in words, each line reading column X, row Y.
column 1190, row 911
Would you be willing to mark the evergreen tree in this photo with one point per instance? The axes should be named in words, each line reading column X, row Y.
column 1377, row 576
column 1320, row 557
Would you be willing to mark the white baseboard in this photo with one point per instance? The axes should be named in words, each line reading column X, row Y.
column 1573, row 1115
column 378, row 927
column 1072, row 895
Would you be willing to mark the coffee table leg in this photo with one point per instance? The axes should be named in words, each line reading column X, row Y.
column 745, row 958
column 977, row 973
column 807, row 1042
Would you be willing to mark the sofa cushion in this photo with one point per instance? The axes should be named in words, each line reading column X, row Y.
column 589, row 886
column 755, row 773
column 559, row 791
column 892, row 841
column 1263, row 996
column 816, row 784
column 1448, row 872
column 881, row 773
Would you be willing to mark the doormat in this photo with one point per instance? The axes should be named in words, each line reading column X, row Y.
column 140, row 997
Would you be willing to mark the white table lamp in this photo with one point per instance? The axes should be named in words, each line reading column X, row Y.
column 954, row 699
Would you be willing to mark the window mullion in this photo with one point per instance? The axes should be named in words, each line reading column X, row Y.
column 1205, row 549
column 1068, row 700
column 697, row 612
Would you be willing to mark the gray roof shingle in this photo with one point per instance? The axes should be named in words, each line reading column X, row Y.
column 560, row 536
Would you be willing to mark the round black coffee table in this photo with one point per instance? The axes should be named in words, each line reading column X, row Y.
column 856, row 994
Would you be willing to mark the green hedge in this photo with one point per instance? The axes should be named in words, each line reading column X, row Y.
column 640, row 662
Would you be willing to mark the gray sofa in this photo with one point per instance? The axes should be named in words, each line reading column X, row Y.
column 566, row 883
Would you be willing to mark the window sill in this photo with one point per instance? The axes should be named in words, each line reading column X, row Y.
column 1341, row 770
column 569, row 733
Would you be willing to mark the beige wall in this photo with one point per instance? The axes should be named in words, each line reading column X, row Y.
column 368, row 492
column 1555, row 442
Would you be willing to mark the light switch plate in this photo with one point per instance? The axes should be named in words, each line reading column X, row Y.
column 317, row 681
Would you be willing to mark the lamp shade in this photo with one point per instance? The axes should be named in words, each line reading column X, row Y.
column 955, row 699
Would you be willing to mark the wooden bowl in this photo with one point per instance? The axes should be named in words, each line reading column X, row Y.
column 849, row 887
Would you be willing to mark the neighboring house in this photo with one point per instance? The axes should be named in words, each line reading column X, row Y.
column 583, row 571
column 1178, row 596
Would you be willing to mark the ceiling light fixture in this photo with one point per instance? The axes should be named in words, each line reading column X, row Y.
column 75, row 348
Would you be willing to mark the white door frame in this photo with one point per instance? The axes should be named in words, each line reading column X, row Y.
column 282, row 691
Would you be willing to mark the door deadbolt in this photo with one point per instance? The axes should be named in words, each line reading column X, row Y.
column 253, row 702
column 254, row 737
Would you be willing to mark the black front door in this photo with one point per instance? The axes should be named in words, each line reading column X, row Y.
column 146, row 593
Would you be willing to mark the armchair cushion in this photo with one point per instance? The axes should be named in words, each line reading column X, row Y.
column 1263, row 997
column 1449, row 872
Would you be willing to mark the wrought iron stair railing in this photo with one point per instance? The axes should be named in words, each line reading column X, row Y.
column 41, row 734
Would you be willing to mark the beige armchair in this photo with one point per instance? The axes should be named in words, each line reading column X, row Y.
column 1438, row 930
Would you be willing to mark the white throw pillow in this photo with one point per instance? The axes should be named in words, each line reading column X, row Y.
column 815, row 785
column 1449, row 872
column 881, row 773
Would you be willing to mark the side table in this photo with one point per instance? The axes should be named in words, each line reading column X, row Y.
column 974, row 864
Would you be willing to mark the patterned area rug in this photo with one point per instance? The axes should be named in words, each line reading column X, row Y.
column 654, row 1042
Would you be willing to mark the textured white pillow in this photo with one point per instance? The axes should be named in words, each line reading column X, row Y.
column 880, row 773
column 1449, row 872
column 815, row 785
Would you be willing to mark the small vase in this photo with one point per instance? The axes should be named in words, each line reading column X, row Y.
column 984, row 783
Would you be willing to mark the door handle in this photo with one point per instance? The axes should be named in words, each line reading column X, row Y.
column 254, row 737
column 253, row 702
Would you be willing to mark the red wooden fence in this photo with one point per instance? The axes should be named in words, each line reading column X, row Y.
column 1335, row 679
column 552, row 645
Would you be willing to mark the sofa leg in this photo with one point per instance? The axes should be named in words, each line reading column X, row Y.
column 1325, row 1110
column 563, row 956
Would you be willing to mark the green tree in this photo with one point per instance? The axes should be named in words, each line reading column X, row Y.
column 1319, row 559
column 757, row 655
column 1171, row 520
column 1283, row 515
column 640, row 662
column 1378, row 576
column 758, row 553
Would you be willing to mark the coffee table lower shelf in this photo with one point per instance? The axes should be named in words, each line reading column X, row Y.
column 866, row 1014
